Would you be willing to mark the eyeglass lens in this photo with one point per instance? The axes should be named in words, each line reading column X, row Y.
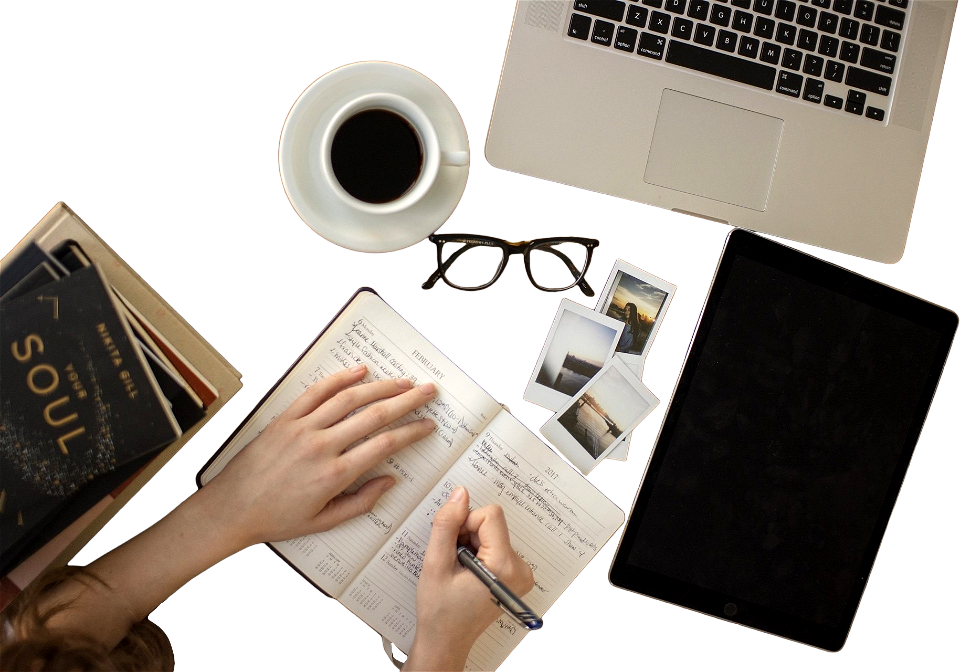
column 554, row 266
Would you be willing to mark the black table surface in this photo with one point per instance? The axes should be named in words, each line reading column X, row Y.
column 161, row 132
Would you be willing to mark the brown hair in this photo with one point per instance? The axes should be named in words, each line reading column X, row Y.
column 27, row 644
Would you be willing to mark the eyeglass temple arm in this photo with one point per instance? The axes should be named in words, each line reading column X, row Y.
column 584, row 287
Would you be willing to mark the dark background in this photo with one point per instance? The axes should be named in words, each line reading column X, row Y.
column 164, row 139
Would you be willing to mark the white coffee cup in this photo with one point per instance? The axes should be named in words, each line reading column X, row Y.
column 433, row 155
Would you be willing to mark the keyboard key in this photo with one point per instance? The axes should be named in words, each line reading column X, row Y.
column 789, row 83
column 704, row 34
column 741, row 3
column 651, row 45
column 849, row 52
column 626, row 38
column 579, row 26
column 602, row 33
column 828, row 46
column 720, row 15
column 676, row 6
column 813, row 91
column 828, row 23
column 791, row 59
column 687, row 55
column 637, row 16
column 878, row 60
column 785, row 10
column 807, row 40
column 833, row 101
column 843, row 6
column 868, row 81
column 742, row 21
column 653, row 3
column 813, row 65
column 853, row 107
column 834, row 71
column 763, row 7
column 727, row 41
column 863, row 10
column 764, row 28
column 890, row 40
column 869, row 34
column 748, row 46
column 786, row 33
column 902, row 4
column 682, row 28
column 857, row 96
column 807, row 16
column 698, row 10
column 608, row 9
column 889, row 17
column 659, row 22
column 821, row 3
column 849, row 28
column 770, row 53
column 875, row 113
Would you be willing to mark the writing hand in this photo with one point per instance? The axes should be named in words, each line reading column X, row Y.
column 289, row 481
column 453, row 606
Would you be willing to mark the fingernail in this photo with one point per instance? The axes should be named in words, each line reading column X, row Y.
column 428, row 389
column 404, row 383
column 358, row 368
column 457, row 493
column 427, row 422
column 389, row 485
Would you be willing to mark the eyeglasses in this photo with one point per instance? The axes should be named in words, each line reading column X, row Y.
column 553, row 264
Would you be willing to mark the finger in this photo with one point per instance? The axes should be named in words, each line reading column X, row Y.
column 381, row 414
column 323, row 389
column 345, row 402
column 378, row 448
column 344, row 507
column 441, row 555
column 488, row 532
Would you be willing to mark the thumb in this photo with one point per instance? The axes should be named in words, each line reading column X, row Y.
column 442, row 549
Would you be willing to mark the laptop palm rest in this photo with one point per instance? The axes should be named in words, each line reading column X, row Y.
column 713, row 150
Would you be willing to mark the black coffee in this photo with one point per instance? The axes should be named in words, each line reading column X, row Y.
column 376, row 156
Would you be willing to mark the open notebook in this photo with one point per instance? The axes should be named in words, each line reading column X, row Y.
column 558, row 521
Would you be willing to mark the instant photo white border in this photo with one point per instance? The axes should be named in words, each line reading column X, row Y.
column 568, row 446
column 548, row 397
column 606, row 298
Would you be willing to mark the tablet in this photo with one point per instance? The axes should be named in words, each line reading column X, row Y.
column 785, row 443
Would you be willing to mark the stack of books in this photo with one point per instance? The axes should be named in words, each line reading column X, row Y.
column 101, row 382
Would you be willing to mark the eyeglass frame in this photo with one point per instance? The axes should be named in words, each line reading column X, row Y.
column 509, row 249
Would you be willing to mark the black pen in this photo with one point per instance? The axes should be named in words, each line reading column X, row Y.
column 505, row 598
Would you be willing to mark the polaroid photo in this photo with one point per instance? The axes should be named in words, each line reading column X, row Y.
column 590, row 424
column 579, row 343
column 620, row 450
column 640, row 301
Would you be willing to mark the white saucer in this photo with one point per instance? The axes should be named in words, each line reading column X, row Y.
column 311, row 196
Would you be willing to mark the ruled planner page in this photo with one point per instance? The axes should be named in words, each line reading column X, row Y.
column 558, row 522
column 372, row 333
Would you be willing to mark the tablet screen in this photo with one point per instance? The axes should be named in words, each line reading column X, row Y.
column 785, row 442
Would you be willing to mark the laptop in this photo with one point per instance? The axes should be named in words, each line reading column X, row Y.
column 785, row 445
column 807, row 119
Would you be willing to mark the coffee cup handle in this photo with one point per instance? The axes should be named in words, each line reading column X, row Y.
column 454, row 158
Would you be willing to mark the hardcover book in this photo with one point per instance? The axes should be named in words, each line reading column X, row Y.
column 558, row 521
column 76, row 399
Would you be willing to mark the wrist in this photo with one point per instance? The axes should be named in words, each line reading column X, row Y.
column 434, row 654
column 209, row 508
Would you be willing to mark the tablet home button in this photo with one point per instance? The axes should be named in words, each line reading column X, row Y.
column 730, row 609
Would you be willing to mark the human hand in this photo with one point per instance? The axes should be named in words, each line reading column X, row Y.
column 289, row 481
column 453, row 606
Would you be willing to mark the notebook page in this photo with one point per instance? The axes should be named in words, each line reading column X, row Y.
column 558, row 522
column 371, row 332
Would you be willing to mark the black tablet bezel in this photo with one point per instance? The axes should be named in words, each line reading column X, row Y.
column 731, row 607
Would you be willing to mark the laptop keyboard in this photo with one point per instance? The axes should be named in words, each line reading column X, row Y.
column 839, row 54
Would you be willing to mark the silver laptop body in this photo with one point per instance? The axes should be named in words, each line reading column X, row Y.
column 727, row 128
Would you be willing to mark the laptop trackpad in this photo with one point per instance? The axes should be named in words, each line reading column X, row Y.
column 713, row 150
